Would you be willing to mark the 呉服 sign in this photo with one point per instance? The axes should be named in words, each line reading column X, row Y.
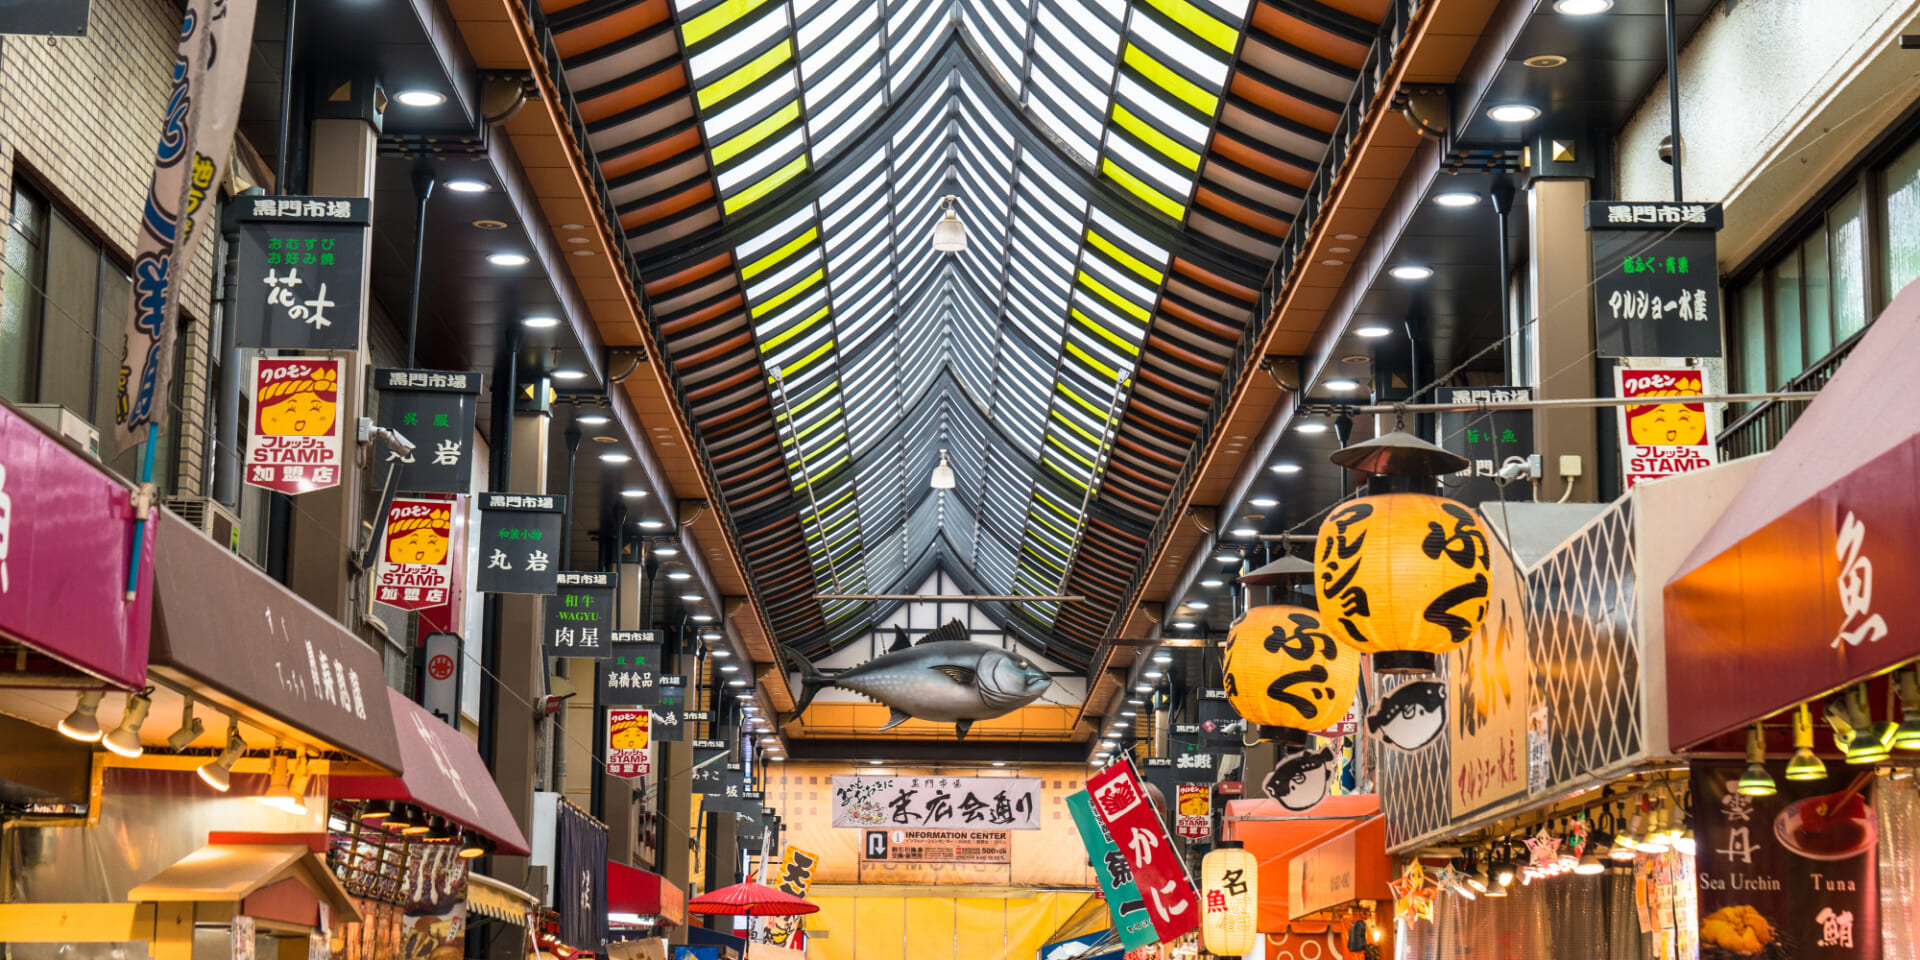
column 579, row 615
column 629, row 743
column 1660, row 438
column 937, row 803
column 294, row 444
column 299, row 274
column 519, row 539
column 416, row 565
column 1656, row 280
column 433, row 409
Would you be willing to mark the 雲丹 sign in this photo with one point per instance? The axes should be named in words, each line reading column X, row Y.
column 294, row 443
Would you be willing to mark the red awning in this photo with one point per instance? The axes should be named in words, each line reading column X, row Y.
column 444, row 775
column 636, row 891
column 1277, row 835
column 1804, row 584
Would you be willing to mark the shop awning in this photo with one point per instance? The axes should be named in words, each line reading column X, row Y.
column 1805, row 583
column 229, row 634
column 637, row 892
column 226, row 871
column 1277, row 835
column 444, row 775
column 500, row 901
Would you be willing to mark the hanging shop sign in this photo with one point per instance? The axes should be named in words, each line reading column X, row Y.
column 416, row 566
column 300, row 266
column 1120, row 802
column 1491, row 439
column 1659, row 439
column 936, row 846
column 294, row 445
column 734, row 795
column 629, row 743
column 519, row 538
column 580, row 877
column 1776, row 877
column 434, row 410
column 1220, row 727
column 669, row 710
column 1656, row 281
column 1487, row 684
column 709, row 773
column 1194, row 819
column 1125, row 906
column 937, row 803
column 580, row 616
column 1230, row 894
column 440, row 676
column 1402, row 577
column 1284, row 671
column 630, row 675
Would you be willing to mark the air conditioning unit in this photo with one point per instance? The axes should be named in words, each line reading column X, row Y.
column 210, row 517
column 65, row 423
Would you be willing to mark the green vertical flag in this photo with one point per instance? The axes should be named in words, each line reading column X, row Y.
column 1124, row 903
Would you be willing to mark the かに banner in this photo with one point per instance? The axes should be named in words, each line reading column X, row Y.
column 416, row 568
column 294, row 445
column 1120, row 804
column 629, row 739
column 1660, row 439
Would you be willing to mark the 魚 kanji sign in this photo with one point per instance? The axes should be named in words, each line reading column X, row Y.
column 629, row 743
column 416, row 568
column 580, row 615
column 294, row 444
column 1121, row 805
column 937, row 803
column 519, row 539
column 299, row 271
column 434, row 410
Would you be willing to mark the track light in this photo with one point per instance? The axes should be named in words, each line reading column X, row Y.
column 1804, row 765
column 1503, row 874
column 411, row 821
column 1871, row 742
column 1682, row 838
column 943, row 478
column 440, row 830
column 949, row 235
column 191, row 727
column 474, row 845
column 376, row 812
column 1756, row 782
column 82, row 724
column 1590, row 863
column 1907, row 685
column 125, row 738
column 218, row 772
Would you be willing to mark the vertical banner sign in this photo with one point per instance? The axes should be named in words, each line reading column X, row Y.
column 434, row 410
column 519, row 536
column 579, row 615
column 1125, row 906
column 196, row 134
column 440, row 680
column 1121, row 804
column 580, row 878
column 299, row 271
column 1488, row 699
column 1656, row 279
column 1195, row 819
column 795, row 878
column 1776, row 881
column 629, row 743
column 294, row 446
column 416, row 568
column 1489, row 440
column 1659, row 439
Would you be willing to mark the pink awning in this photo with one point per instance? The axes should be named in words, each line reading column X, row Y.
column 444, row 775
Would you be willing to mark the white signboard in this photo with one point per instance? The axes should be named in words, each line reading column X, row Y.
column 937, row 803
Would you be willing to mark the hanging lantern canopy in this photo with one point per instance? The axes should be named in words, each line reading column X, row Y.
column 1284, row 671
column 1230, row 898
column 1403, row 575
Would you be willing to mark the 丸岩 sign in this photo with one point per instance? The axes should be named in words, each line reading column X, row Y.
column 434, row 410
column 300, row 262
column 416, row 568
column 1125, row 906
column 519, row 538
column 294, row 444
column 1657, row 438
column 579, row 615
column 629, row 739
column 937, row 803
column 936, row 846
column 1656, row 281
column 1121, row 805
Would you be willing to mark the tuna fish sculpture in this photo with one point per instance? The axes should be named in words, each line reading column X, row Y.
column 945, row 678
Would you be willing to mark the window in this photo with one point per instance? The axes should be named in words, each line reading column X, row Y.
column 63, row 299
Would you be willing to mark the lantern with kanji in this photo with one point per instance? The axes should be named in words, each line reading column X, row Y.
column 1284, row 672
column 1402, row 576
column 1230, row 900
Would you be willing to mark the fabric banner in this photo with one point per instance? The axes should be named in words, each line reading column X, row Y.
column 294, row 443
column 1774, row 884
column 1121, row 804
column 937, row 803
column 1488, row 697
column 196, row 134
column 795, row 877
column 580, row 878
column 1124, row 903
column 1661, row 439
column 416, row 568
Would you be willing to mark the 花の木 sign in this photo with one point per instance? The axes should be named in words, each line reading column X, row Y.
column 300, row 262
column 1656, row 280
column 629, row 743
column 434, row 410
column 1661, row 439
column 293, row 445
column 416, row 566
column 1121, row 805
column 519, row 539
column 579, row 615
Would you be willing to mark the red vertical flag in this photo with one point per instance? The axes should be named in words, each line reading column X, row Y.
column 1121, row 803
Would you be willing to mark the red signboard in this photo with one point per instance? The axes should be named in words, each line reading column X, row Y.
column 629, row 738
column 1120, row 801
column 294, row 445
column 1194, row 820
column 1662, row 439
column 416, row 568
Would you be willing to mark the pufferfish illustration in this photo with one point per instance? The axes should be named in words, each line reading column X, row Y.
column 1299, row 781
column 944, row 678
column 1411, row 716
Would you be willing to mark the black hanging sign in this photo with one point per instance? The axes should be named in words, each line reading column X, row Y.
column 1489, row 440
column 434, row 409
column 519, row 538
column 299, row 275
column 44, row 18
column 669, row 711
column 709, row 772
column 1656, row 279
column 630, row 675
column 580, row 616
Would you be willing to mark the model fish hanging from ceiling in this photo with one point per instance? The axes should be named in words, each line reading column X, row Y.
column 945, row 678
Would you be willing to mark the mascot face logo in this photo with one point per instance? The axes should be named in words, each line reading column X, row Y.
column 1668, row 425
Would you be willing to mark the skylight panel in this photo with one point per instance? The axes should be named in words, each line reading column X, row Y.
column 738, row 44
column 723, row 123
column 1160, row 110
column 1175, row 49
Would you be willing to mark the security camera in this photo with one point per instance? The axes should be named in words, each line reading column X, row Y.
column 1520, row 468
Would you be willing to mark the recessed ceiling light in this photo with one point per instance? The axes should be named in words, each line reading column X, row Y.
column 581, row 253
column 542, row 323
column 485, row 224
column 615, row 456
column 1457, row 199
column 1410, row 271
column 1104, row 745
column 1183, row 624
column 1245, row 532
column 1513, row 112
column 633, row 492
column 1228, row 557
column 468, row 186
column 999, row 763
column 1332, row 262
column 692, row 597
column 722, row 652
column 1153, row 674
column 729, row 668
column 1197, row 604
column 1582, row 8
column 665, row 551
column 876, row 762
column 1545, row 61
column 1355, row 358
column 1346, row 236
column 679, row 575
column 1285, row 468
column 1143, row 688
column 736, row 682
column 1212, row 582
column 1311, row 426
column 1342, row 385
column 653, row 525
column 569, row 374
column 713, row 635
column 1129, row 712
column 702, row 618
column 1163, row 656
column 1372, row 332
column 420, row 98
column 593, row 419
column 573, row 226
column 1339, row 249
column 507, row 259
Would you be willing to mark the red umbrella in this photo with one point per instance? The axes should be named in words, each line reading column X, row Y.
column 750, row 900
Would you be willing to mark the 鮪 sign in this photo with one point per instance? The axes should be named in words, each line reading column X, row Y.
column 300, row 264
column 1656, row 279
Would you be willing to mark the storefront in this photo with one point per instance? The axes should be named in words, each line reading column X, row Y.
column 1320, row 873
column 572, row 847
column 641, row 904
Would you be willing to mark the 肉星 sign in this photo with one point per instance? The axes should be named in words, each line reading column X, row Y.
column 300, row 261
column 1121, row 805
column 1656, row 282
column 579, row 615
column 1659, row 439
column 416, row 568
column 294, row 444
column 434, row 410
column 629, row 743
column 519, row 538
column 937, row 803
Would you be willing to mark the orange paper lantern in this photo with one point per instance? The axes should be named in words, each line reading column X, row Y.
column 1403, row 577
column 1285, row 672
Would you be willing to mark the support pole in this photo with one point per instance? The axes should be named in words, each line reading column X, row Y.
column 422, row 191
column 286, row 98
column 1673, row 96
